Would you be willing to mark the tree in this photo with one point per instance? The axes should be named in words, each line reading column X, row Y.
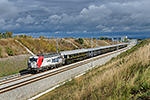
column 94, row 38
column 30, row 36
column 25, row 36
column 125, row 40
column 9, row 34
column 101, row 38
column 0, row 35
column 21, row 36
column 52, row 37
column 80, row 40
column 41, row 37
column 4, row 35
column 106, row 38
column 70, row 37
column 16, row 36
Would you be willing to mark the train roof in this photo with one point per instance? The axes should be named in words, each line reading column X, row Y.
column 73, row 51
column 103, row 47
column 90, row 49
column 48, row 55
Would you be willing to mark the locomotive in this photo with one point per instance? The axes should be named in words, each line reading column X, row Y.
column 47, row 61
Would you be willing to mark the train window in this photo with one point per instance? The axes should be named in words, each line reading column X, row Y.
column 67, row 56
column 33, row 59
column 56, row 59
column 53, row 60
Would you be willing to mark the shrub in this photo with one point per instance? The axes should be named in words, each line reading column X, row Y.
column 0, row 51
column 80, row 40
column 9, row 51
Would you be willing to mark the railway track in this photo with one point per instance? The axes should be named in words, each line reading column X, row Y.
column 19, row 81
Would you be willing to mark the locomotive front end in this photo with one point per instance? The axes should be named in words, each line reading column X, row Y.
column 32, row 63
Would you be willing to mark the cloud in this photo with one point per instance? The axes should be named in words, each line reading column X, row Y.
column 7, row 10
column 103, row 17
column 108, row 29
column 10, row 27
column 54, row 19
column 83, row 16
column 25, row 20
column 126, row 28
column 2, row 22
column 95, row 11
column 100, row 26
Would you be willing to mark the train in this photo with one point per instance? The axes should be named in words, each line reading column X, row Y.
column 45, row 62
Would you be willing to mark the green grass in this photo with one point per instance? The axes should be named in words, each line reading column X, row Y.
column 12, row 66
column 9, row 51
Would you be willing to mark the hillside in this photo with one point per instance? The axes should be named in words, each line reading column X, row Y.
column 39, row 46
column 13, row 57
column 124, row 77
column 8, row 47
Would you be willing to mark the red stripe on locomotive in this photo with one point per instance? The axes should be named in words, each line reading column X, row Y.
column 40, row 60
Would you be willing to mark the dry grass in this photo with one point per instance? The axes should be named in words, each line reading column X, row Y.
column 49, row 45
column 16, row 48
column 123, row 78
column 39, row 46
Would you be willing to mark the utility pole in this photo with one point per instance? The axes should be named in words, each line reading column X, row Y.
column 91, row 52
column 117, row 46
column 96, row 43
column 57, row 45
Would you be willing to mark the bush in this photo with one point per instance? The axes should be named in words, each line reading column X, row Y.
column 0, row 51
column 9, row 51
column 80, row 40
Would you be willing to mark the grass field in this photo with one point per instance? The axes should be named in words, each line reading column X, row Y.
column 125, row 77
column 13, row 65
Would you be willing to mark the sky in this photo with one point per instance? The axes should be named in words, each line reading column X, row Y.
column 83, row 18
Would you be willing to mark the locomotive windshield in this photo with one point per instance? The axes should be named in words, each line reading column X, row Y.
column 33, row 59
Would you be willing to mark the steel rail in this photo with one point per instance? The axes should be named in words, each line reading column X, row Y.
column 14, row 79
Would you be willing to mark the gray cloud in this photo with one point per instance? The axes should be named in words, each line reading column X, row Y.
column 7, row 10
column 25, row 20
column 75, row 16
